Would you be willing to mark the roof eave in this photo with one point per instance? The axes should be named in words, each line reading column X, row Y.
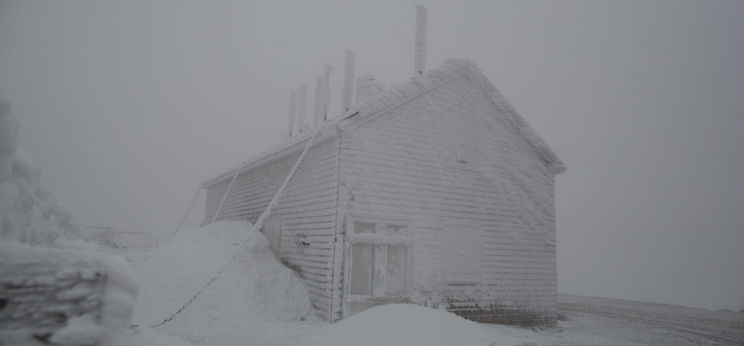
column 276, row 152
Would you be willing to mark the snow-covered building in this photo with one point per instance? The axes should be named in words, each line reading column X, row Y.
column 434, row 192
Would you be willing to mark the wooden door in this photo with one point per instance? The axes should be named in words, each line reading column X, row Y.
column 378, row 256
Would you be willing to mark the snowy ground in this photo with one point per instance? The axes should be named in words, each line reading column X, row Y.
column 648, row 323
column 239, row 309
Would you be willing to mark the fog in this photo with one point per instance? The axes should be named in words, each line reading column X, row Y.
column 128, row 106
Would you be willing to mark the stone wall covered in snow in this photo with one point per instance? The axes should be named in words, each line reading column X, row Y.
column 53, row 289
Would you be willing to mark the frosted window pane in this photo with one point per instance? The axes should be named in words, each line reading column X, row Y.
column 396, row 280
column 396, row 229
column 364, row 227
column 362, row 262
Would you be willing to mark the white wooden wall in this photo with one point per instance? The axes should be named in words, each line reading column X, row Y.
column 306, row 211
column 452, row 160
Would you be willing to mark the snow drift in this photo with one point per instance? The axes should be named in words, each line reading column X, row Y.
column 253, row 294
column 256, row 300
column 409, row 324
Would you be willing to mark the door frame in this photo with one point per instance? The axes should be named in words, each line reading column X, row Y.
column 350, row 238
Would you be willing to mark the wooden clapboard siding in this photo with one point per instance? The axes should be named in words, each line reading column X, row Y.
column 445, row 153
column 307, row 208
column 410, row 164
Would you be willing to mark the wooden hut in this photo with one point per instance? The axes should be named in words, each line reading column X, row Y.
column 435, row 192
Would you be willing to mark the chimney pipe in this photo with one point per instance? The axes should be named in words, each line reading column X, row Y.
column 419, row 55
column 348, row 80
column 318, row 101
column 303, row 108
column 292, row 112
column 327, row 69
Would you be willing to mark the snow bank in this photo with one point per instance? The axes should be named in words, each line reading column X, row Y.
column 253, row 295
column 73, row 296
column 411, row 325
column 258, row 301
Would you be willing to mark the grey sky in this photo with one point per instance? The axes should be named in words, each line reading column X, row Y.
column 127, row 106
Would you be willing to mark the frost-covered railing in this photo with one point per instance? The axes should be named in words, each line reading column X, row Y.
column 62, row 296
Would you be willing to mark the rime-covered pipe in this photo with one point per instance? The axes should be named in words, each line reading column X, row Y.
column 348, row 80
column 327, row 69
column 318, row 101
column 292, row 112
column 302, row 109
column 419, row 55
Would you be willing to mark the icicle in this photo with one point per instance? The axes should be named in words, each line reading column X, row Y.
column 292, row 112
column 419, row 56
column 303, row 108
column 348, row 80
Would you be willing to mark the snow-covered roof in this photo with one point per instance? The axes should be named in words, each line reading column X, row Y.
column 398, row 95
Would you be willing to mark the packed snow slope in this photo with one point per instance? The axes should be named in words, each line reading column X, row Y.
column 258, row 301
column 250, row 302
column 408, row 324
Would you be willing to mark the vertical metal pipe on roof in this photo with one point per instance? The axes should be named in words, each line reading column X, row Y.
column 302, row 109
column 327, row 69
column 348, row 80
column 318, row 101
column 292, row 112
column 419, row 54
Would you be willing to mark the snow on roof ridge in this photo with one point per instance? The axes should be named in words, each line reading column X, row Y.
column 450, row 69
column 395, row 95
column 500, row 102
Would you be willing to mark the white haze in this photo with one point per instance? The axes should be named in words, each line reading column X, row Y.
column 127, row 106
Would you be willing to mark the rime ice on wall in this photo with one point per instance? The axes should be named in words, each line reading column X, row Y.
column 306, row 211
column 29, row 213
column 447, row 154
column 444, row 153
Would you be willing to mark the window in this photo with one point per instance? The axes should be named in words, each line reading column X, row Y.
column 380, row 259
column 461, row 245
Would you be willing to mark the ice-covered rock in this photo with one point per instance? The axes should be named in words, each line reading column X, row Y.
column 53, row 288
column 67, row 296
column 29, row 213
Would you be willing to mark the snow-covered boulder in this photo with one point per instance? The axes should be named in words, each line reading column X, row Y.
column 53, row 289
column 29, row 213
column 64, row 296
